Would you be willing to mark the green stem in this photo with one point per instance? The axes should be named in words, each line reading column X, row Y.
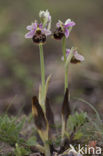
column 63, row 130
column 47, row 149
column 64, row 55
column 67, row 67
column 66, row 78
column 42, row 72
column 64, row 48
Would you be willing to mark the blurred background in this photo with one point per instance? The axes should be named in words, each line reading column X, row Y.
column 19, row 57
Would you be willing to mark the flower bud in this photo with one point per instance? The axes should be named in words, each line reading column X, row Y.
column 45, row 19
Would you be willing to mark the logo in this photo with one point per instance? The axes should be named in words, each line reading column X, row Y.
column 81, row 150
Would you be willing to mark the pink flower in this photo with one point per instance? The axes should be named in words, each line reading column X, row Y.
column 66, row 26
column 76, row 58
column 37, row 32
column 32, row 29
column 35, row 27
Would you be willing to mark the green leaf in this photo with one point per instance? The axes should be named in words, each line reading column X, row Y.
column 31, row 141
column 21, row 151
column 78, row 135
column 10, row 129
column 76, row 120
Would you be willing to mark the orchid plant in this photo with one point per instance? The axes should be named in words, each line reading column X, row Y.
column 38, row 33
column 62, row 32
column 69, row 56
column 41, row 109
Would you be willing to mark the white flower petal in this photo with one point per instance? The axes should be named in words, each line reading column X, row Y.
column 67, row 21
column 44, row 14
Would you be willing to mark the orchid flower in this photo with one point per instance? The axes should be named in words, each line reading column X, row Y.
column 37, row 32
column 76, row 58
column 63, row 29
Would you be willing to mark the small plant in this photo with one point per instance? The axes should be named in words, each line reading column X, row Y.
column 10, row 129
column 21, row 151
column 74, row 124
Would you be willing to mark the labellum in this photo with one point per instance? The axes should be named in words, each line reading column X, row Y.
column 74, row 60
column 58, row 34
column 39, row 37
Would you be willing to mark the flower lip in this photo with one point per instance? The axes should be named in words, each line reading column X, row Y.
column 58, row 34
column 39, row 37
